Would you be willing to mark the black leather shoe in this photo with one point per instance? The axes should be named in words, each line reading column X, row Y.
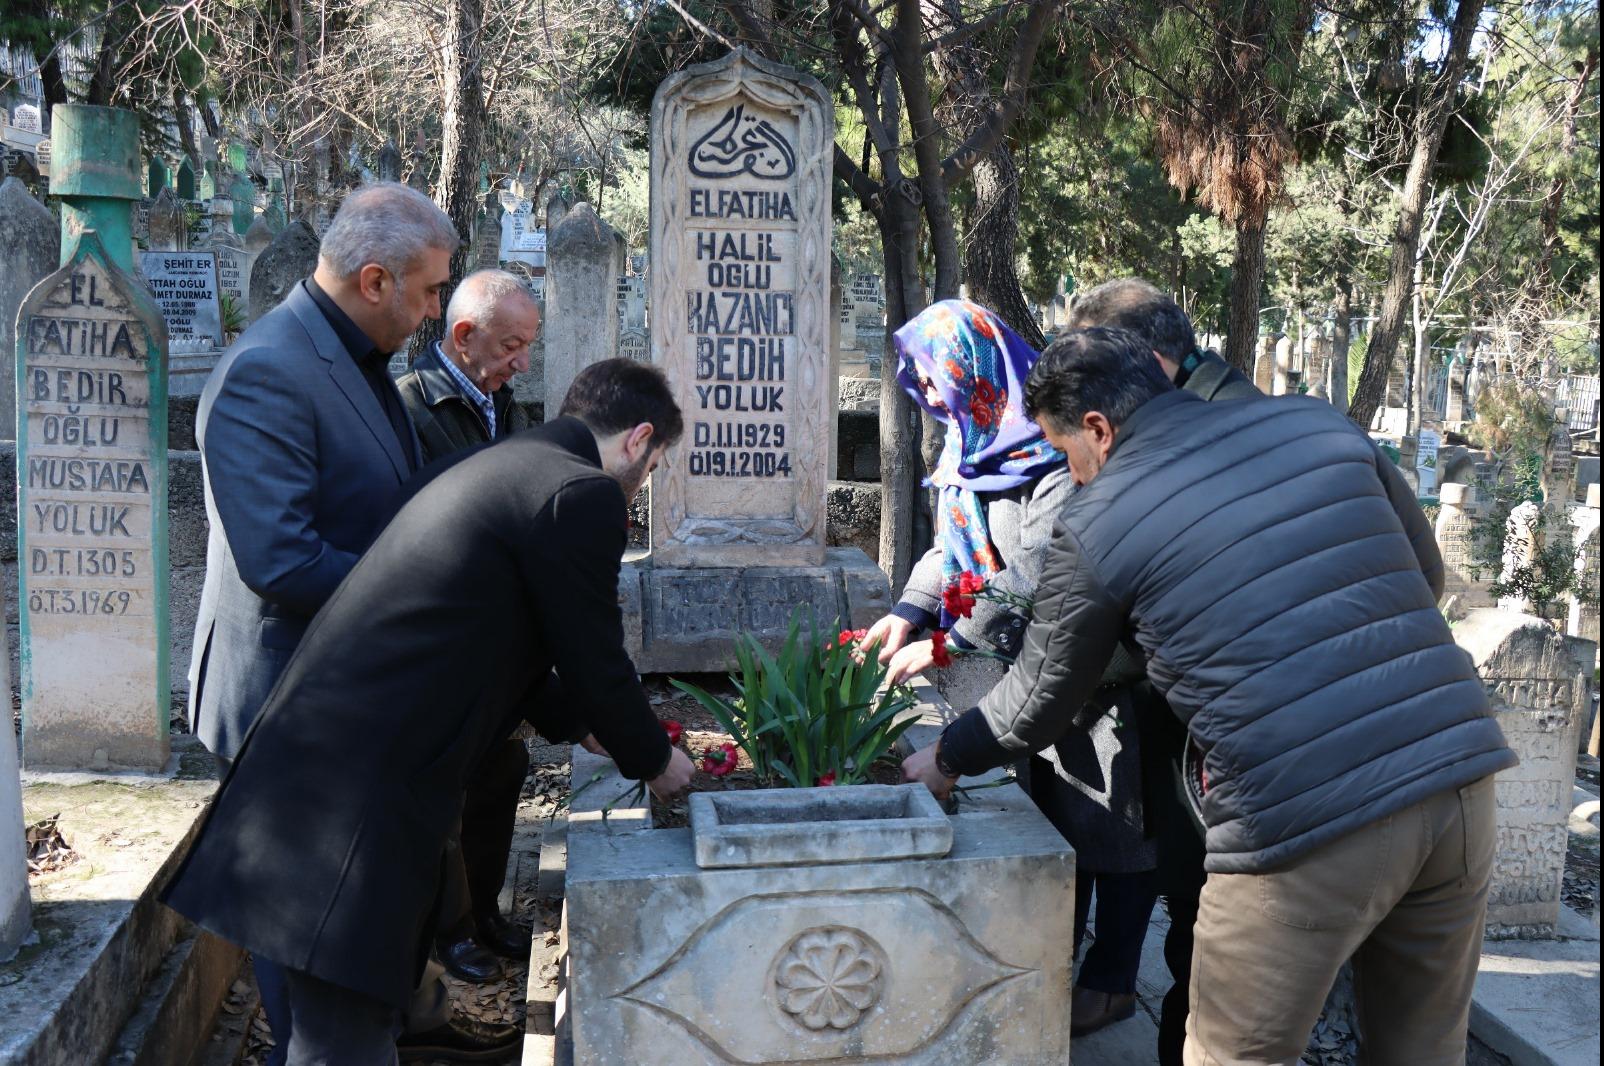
column 1091, row 1010
column 461, row 1040
column 507, row 939
column 468, row 960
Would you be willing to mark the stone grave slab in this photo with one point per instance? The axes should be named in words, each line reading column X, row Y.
column 946, row 960
column 690, row 618
column 92, row 540
column 185, row 285
column 1536, row 687
column 740, row 302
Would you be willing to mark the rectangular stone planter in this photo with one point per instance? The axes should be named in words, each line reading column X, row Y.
column 855, row 924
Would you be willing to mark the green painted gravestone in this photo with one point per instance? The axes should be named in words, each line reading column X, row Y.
column 92, row 473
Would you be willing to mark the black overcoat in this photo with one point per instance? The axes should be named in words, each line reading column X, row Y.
column 323, row 847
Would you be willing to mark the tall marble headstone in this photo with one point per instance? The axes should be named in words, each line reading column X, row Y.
column 30, row 248
column 740, row 302
column 1536, row 688
column 92, row 472
column 581, row 324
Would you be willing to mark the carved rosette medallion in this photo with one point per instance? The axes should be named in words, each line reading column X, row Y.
column 828, row 978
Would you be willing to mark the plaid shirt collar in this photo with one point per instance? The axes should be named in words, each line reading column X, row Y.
column 485, row 405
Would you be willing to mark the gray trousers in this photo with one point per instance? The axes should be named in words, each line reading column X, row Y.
column 335, row 1026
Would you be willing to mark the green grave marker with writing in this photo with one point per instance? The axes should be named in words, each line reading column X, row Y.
column 92, row 473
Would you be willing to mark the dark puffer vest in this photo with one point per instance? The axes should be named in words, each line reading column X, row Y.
column 1257, row 552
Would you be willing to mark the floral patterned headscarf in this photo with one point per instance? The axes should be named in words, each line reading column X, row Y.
column 978, row 366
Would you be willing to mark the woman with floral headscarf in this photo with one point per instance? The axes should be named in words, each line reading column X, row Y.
column 1001, row 486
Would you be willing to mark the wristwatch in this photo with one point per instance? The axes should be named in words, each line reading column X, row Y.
column 943, row 767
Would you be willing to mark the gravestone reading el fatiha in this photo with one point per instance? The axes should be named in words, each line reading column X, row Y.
column 740, row 276
column 740, row 319
column 30, row 248
column 92, row 465
column 185, row 287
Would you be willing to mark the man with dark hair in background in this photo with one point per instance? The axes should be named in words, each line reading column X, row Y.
column 323, row 848
column 1346, row 744
column 1142, row 309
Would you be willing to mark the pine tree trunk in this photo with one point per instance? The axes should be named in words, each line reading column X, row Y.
column 461, row 143
column 1247, row 279
column 1341, row 341
column 1430, row 122
column 991, row 230
column 899, row 424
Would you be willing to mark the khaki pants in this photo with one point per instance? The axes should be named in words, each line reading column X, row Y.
column 1405, row 897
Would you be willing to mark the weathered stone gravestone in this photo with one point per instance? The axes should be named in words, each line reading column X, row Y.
column 1520, row 545
column 635, row 344
column 291, row 257
column 92, row 485
column 1536, row 687
column 581, row 325
column 740, row 318
column 186, row 290
column 258, row 235
column 1455, row 532
column 521, row 240
column 30, row 248
column 1582, row 619
column 14, row 916
column 27, row 118
column 167, row 230
column 740, row 292
column 1559, row 465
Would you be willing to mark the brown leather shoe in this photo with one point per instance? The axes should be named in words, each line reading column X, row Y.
column 1091, row 1010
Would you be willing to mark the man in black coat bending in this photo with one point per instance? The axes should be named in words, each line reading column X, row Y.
column 323, row 848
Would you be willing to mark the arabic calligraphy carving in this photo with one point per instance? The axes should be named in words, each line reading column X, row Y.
column 742, row 144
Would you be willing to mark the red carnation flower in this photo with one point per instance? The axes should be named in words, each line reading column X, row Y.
column 844, row 637
column 674, row 731
column 828, row 779
column 971, row 583
column 957, row 602
column 938, row 649
column 721, row 760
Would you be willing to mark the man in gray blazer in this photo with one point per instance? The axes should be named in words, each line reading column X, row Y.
column 305, row 444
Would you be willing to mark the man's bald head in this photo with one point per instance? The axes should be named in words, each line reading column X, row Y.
column 1141, row 308
column 490, row 324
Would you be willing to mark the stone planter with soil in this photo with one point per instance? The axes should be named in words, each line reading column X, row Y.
column 814, row 925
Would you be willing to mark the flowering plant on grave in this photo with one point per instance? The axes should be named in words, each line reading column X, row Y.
column 815, row 713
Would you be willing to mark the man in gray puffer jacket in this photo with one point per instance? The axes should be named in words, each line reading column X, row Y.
column 1254, row 553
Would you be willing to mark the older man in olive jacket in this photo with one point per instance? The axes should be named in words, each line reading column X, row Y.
column 323, row 848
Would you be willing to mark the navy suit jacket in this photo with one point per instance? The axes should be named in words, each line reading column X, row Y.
column 302, row 467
